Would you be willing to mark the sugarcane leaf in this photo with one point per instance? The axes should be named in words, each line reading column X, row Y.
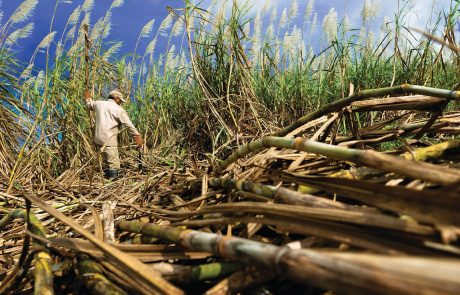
column 148, row 280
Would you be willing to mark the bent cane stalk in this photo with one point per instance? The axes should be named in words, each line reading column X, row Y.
column 415, row 169
column 339, row 104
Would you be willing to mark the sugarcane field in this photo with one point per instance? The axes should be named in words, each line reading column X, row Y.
column 229, row 147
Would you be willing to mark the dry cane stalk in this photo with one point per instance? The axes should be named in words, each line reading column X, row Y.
column 279, row 193
column 350, row 273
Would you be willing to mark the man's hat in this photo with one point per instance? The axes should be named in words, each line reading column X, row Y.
column 116, row 93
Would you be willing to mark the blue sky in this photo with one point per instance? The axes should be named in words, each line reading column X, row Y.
column 128, row 20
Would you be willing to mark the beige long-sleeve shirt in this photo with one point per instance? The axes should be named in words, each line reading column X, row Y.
column 109, row 116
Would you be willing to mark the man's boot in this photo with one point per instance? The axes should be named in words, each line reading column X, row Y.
column 111, row 174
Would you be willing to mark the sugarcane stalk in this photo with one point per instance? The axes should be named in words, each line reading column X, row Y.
column 431, row 152
column 421, row 154
column 352, row 273
column 342, row 233
column 43, row 274
column 12, row 215
column 87, row 59
column 214, row 270
column 388, row 163
column 416, row 102
column 359, row 173
column 94, row 279
column 303, row 213
column 341, row 103
column 138, row 239
column 186, row 274
column 278, row 193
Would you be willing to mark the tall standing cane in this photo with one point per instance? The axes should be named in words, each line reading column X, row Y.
column 87, row 63
column 87, row 60
column 88, row 88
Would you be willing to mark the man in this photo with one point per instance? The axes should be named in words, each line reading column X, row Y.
column 109, row 116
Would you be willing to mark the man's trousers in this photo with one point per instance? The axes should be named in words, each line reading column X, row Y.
column 110, row 158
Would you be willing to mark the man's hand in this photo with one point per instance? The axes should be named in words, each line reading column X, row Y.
column 138, row 140
column 87, row 95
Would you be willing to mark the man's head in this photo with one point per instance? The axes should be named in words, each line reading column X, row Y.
column 117, row 96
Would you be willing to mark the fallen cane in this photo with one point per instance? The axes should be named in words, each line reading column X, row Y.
column 139, row 157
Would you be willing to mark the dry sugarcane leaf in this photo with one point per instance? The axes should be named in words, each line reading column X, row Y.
column 452, row 46
column 295, row 164
column 381, row 125
column 429, row 206
column 343, row 102
column 6, row 283
column 371, row 140
column 270, row 153
column 338, row 215
column 147, row 280
column 448, row 233
column 98, row 227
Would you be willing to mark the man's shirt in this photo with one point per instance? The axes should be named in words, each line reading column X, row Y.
column 109, row 116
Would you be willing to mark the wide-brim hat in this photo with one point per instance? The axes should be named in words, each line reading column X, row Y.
column 116, row 93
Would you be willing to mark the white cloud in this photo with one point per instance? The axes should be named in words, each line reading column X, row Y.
column 421, row 13
column 254, row 6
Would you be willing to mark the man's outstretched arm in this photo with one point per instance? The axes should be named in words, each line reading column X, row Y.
column 124, row 119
